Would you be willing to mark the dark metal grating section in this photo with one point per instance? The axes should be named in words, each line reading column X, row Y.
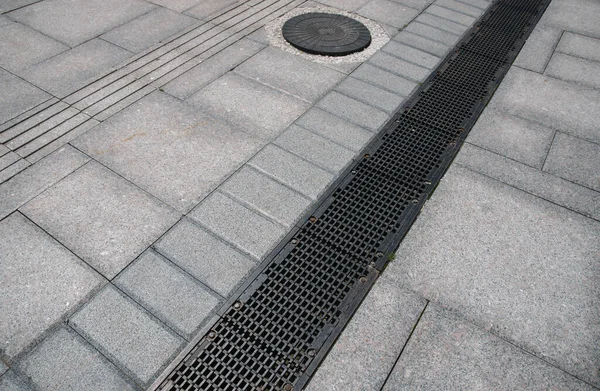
column 279, row 326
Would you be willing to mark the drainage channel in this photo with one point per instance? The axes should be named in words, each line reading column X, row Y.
column 277, row 329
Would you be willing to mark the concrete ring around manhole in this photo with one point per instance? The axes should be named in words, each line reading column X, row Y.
column 348, row 37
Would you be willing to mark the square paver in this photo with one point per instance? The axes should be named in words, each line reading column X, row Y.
column 448, row 353
column 127, row 334
column 21, row 47
column 40, row 282
column 516, row 138
column 579, row 46
column 206, row 257
column 148, row 29
column 169, row 148
column 17, row 96
column 574, row 69
column 253, row 106
column 239, row 225
column 75, row 68
column 353, row 110
column 538, row 49
column 65, row 361
column 576, row 160
column 497, row 255
column 11, row 382
column 168, row 292
column 76, row 21
column 101, row 217
column 388, row 12
column 290, row 73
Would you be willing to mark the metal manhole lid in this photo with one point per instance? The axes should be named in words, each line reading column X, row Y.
column 326, row 34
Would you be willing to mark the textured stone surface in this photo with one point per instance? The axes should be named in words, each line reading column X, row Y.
column 370, row 94
column 169, row 148
column 177, row 5
column 166, row 291
column 538, row 49
column 411, row 54
column 353, row 110
column 384, row 79
column 17, row 96
column 574, row 69
column 239, row 225
column 388, row 12
column 497, row 255
column 449, row 14
column 432, row 33
column 3, row 368
column 400, row 67
column 41, row 281
column 65, row 361
column 580, row 16
column 446, row 352
column 101, row 217
column 460, row 7
column 422, row 43
column 209, row 259
column 579, row 46
column 9, row 5
column 11, row 382
column 210, row 8
column 347, row 5
column 441, row 23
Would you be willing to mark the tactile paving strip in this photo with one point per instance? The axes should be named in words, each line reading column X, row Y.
column 279, row 327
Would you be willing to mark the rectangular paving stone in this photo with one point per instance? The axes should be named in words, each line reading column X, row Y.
column 168, row 293
column 17, row 96
column 441, row 23
column 13, row 169
column 432, row 47
column 448, row 14
column 4, row 20
column 300, row 175
column 513, row 137
column 127, row 334
column 388, row 12
column 411, row 54
column 207, row 8
column 65, row 361
column 446, row 352
column 266, row 195
column 574, row 69
column 400, row 67
column 367, row 349
column 148, row 29
column 370, row 94
column 554, row 103
column 239, row 225
column 9, row 5
column 432, row 33
column 538, row 49
column 575, row 159
column 542, row 184
column 75, row 22
column 578, row 16
column 204, row 256
column 290, row 73
column 255, row 107
column 579, row 46
column 169, row 148
column 353, row 110
column 347, row 5
column 8, row 159
column 11, row 382
column 416, row 4
column 335, row 128
column 512, row 246
column 41, row 282
column 483, row 4
column 101, row 217
column 461, row 7
column 386, row 80
column 3, row 368
column 176, row 5
column 315, row 148
column 37, row 178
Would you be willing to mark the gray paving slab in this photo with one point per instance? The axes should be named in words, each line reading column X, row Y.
column 237, row 224
column 399, row 67
column 417, row 4
column 21, row 47
column 73, row 69
column 441, row 23
column 544, row 185
column 210, row 8
column 432, row 33
column 148, row 29
column 13, row 169
column 483, row 4
column 461, row 7
column 448, row 14
column 176, row 5
column 353, row 110
column 388, row 12
column 3, row 368
column 288, row 72
column 554, row 103
column 347, row 5
column 335, row 128
column 266, row 195
column 127, row 334
column 432, row 47
column 4, row 20
column 579, row 16
column 259, row 36
column 446, row 352
column 579, row 46
column 367, row 349
column 254, row 107
column 74, row 23
column 411, row 54
column 538, row 49
column 575, row 159
column 168, row 293
column 384, row 79
column 101, row 217
column 497, row 255
column 513, row 137
column 3, row 150
column 300, row 175
column 11, row 382
column 574, row 69
column 41, row 282
column 8, row 159
column 65, row 361
column 9, row 5
column 209, row 259
column 37, row 178
column 315, row 148
column 17, row 96
column 169, row 148
column 370, row 94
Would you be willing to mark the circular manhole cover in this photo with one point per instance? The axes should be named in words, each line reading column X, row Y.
column 326, row 34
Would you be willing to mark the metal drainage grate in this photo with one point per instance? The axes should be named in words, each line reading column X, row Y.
column 326, row 34
column 281, row 324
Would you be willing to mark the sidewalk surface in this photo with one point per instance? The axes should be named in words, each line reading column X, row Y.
column 152, row 153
